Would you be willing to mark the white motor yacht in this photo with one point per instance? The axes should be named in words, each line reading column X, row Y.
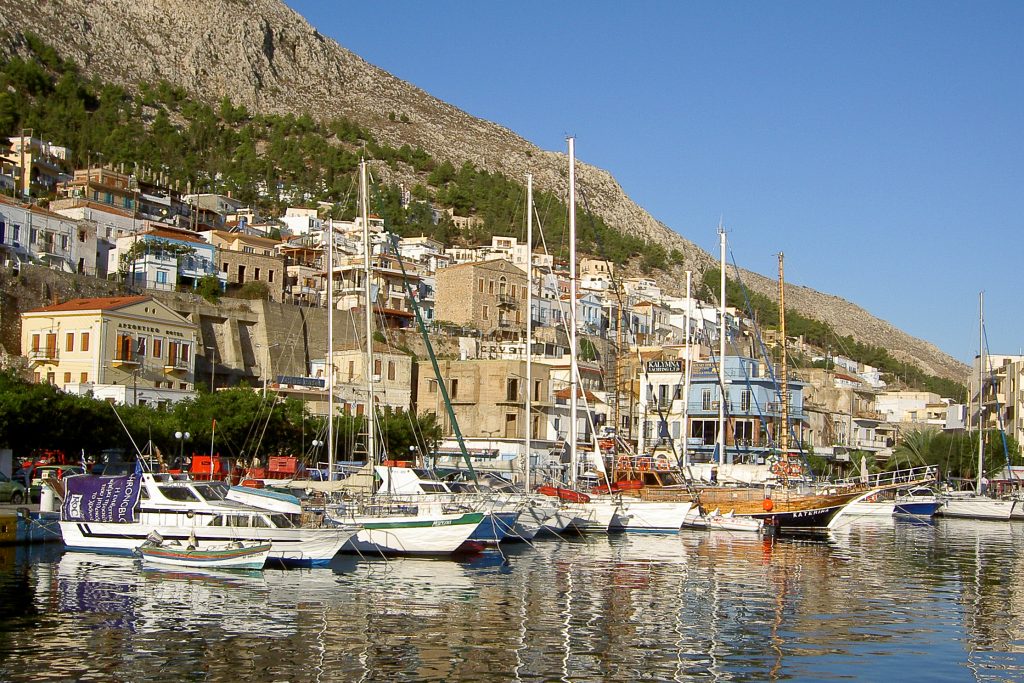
column 117, row 514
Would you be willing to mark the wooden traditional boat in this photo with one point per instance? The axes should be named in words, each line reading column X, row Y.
column 234, row 555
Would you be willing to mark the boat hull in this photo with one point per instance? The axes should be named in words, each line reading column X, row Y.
column 250, row 557
column 413, row 535
column 918, row 509
column 649, row 516
column 811, row 518
column 976, row 507
column 290, row 547
column 595, row 516
column 494, row 527
column 558, row 521
column 874, row 509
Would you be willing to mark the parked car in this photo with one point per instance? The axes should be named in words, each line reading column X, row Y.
column 11, row 491
column 57, row 472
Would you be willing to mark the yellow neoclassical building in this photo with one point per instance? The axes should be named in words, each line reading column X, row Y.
column 131, row 349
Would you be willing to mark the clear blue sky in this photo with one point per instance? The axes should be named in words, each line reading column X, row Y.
column 880, row 145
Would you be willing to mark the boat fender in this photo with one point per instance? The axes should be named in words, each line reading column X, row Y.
column 768, row 505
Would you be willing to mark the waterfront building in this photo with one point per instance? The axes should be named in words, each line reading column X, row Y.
column 212, row 209
column 425, row 252
column 753, row 410
column 143, row 200
column 844, row 414
column 244, row 258
column 166, row 258
column 392, row 379
column 304, row 264
column 300, row 221
column 1002, row 395
column 489, row 401
column 36, row 165
column 132, row 350
column 388, row 283
column 29, row 233
column 490, row 295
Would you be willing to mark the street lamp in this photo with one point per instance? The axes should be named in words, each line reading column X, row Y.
column 316, row 444
column 490, row 435
column 182, row 437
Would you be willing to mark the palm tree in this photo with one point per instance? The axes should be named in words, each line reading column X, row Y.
column 914, row 449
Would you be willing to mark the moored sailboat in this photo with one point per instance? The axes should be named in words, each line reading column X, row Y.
column 977, row 504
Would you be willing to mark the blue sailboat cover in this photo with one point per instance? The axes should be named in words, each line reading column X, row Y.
column 101, row 499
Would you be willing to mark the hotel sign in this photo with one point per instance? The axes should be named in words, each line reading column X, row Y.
column 132, row 327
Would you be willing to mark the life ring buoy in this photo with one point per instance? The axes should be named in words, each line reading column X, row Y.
column 644, row 464
column 661, row 464
column 623, row 463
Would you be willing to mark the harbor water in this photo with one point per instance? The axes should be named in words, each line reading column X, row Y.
column 900, row 601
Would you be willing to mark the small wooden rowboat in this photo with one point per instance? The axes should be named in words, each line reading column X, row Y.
column 235, row 555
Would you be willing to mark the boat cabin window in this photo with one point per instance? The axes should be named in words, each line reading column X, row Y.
column 428, row 487
column 213, row 492
column 260, row 522
column 231, row 520
column 179, row 493
column 281, row 521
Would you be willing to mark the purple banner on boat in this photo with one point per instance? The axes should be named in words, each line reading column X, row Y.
column 101, row 499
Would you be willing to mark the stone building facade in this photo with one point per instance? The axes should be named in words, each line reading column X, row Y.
column 488, row 294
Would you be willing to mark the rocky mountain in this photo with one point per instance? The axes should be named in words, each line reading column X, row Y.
column 262, row 54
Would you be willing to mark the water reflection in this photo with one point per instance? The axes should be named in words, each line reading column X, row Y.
column 869, row 601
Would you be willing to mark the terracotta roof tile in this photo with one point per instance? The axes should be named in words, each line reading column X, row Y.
column 182, row 235
column 109, row 303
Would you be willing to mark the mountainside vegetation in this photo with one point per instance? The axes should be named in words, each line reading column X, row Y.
column 765, row 311
column 272, row 161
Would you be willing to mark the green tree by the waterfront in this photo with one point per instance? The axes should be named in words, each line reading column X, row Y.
column 248, row 423
column 955, row 453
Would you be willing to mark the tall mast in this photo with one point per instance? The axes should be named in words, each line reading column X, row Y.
column 783, row 373
column 573, row 367
column 686, row 372
column 330, row 349
column 529, row 324
column 371, row 436
column 721, row 349
column 981, row 402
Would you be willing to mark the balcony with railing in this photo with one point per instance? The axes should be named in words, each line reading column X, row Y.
column 508, row 301
column 176, row 365
column 127, row 359
column 742, row 409
column 43, row 354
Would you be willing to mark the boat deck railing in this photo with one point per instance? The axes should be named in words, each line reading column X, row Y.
column 891, row 479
